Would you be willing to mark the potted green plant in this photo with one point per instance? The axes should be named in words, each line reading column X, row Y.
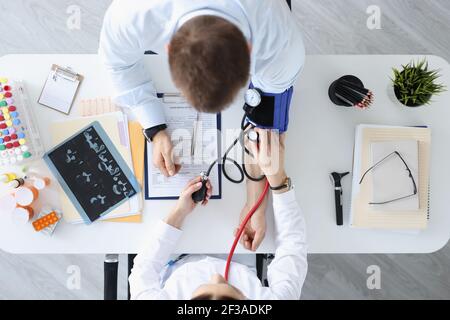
column 416, row 84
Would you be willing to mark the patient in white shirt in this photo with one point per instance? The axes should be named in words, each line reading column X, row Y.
column 200, row 277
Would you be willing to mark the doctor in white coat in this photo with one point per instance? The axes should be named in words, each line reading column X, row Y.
column 214, row 48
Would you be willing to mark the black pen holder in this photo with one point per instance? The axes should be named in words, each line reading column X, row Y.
column 334, row 96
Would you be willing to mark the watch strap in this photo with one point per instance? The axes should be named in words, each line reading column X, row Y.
column 150, row 133
column 286, row 184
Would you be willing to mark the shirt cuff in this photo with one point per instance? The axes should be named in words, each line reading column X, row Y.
column 167, row 232
column 283, row 199
column 150, row 115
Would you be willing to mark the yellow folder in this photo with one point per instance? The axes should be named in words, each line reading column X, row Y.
column 61, row 131
column 137, row 153
column 102, row 105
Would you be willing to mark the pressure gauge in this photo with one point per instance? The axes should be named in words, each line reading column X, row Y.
column 252, row 97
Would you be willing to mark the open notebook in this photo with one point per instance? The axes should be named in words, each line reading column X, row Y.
column 410, row 214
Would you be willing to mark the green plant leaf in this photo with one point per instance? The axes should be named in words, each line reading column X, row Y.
column 415, row 83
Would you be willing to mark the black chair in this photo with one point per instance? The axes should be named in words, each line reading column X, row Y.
column 111, row 263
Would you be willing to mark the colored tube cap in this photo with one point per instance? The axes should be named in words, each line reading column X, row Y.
column 12, row 108
column 3, row 103
column 16, row 122
column 27, row 154
column 8, row 94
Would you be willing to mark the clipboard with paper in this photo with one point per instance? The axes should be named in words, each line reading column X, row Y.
column 60, row 89
column 195, row 137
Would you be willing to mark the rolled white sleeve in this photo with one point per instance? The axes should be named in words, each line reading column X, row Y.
column 145, row 278
column 280, row 52
column 122, row 52
column 287, row 272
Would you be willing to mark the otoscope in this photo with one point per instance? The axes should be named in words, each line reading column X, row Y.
column 336, row 178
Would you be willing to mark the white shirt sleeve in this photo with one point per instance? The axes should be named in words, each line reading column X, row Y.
column 287, row 272
column 145, row 278
column 122, row 53
column 279, row 52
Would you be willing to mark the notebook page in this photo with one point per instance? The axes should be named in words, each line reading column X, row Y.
column 181, row 119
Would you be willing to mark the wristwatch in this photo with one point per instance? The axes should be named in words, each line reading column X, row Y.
column 151, row 132
column 287, row 184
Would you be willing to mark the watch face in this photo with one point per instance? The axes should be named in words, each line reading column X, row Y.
column 252, row 97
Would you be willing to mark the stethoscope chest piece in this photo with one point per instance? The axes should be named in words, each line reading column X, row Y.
column 253, row 136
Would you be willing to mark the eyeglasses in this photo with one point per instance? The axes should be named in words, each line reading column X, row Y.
column 395, row 153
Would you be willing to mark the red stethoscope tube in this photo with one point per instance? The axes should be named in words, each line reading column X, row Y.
column 242, row 227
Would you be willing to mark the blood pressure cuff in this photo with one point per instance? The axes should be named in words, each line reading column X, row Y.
column 272, row 112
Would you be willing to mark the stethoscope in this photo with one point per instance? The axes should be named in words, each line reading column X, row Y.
column 200, row 195
column 247, row 129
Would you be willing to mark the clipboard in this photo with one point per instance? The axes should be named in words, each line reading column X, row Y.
column 60, row 89
column 177, row 98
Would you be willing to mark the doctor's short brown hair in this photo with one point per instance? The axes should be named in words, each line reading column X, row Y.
column 209, row 61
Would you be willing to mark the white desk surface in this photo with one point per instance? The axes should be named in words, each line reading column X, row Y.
column 320, row 141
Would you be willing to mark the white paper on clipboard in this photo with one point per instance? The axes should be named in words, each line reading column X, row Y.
column 186, row 127
column 60, row 89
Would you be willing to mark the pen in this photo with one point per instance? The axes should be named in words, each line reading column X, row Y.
column 194, row 135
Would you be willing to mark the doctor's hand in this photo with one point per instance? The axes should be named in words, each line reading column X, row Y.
column 163, row 154
column 185, row 205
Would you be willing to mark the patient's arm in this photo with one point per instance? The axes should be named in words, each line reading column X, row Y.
column 256, row 228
